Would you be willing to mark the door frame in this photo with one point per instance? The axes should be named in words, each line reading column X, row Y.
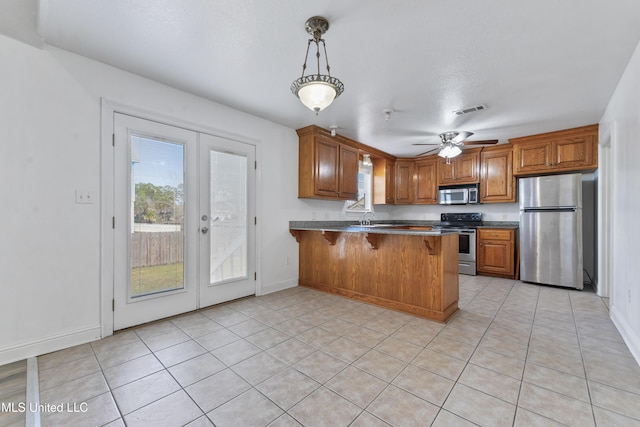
column 107, row 194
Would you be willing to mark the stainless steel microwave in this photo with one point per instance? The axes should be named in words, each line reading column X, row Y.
column 458, row 195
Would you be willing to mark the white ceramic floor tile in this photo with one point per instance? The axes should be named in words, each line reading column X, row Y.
column 400, row 408
column 310, row 358
column 479, row 407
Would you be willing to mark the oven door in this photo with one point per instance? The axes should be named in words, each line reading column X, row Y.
column 467, row 252
column 467, row 245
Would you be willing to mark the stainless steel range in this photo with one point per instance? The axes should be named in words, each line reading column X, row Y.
column 465, row 224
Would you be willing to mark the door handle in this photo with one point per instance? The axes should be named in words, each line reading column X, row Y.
column 204, row 230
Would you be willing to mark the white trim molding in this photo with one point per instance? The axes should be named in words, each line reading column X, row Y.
column 630, row 338
column 34, row 348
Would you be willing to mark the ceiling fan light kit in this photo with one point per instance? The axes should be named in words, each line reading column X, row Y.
column 450, row 143
column 317, row 91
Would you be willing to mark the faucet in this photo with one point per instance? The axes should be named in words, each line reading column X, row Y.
column 364, row 220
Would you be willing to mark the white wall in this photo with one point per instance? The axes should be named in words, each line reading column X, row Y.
column 619, row 175
column 50, row 129
column 490, row 211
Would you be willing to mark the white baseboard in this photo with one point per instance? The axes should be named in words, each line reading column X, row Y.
column 35, row 348
column 630, row 337
column 275, row 287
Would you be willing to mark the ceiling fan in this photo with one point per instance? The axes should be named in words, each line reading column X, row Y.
column 451, row 142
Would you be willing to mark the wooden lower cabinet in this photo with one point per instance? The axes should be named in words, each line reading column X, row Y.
column 414, row 273
column 496, row 252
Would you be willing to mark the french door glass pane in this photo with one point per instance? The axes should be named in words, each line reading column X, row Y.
column 157, row 216
column 228, row 216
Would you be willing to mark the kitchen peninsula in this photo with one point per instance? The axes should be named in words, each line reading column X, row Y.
column 409, row 268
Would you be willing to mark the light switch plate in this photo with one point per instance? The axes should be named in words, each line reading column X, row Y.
column 84, row 197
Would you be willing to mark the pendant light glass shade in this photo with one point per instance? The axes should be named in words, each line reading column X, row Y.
column 317, row 91
column 450, row 151
column 316, row 95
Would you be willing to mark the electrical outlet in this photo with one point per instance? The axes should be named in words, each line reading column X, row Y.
column 84, row 197
column 629, row 296
column 286, row 260
column 313, row 216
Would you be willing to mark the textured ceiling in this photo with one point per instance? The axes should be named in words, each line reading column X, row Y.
column 538, row 66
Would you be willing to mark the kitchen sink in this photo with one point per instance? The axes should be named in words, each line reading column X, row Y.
column 399, row 226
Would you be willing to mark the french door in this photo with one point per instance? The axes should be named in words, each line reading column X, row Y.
column 227, row 221
column 184, row 220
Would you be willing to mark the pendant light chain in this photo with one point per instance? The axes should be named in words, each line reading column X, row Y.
column 326, row 58
column 304, row 66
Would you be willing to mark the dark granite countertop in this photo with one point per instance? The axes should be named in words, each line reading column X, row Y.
column 334, row 225
column 379, row 227
column 500, row 224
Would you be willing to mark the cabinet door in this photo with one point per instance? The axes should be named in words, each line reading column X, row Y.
column 446, row 172
column 497, row 183
column 466, row 168
column 326, row 168
column 533, row 157
column 574, row 152
column 496, row 252
column 348, row 178
column 383, row 181
column 404, row 181
column 463, row 169
column 426, row 185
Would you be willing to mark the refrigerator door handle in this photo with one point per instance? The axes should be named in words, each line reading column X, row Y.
column 558, row 209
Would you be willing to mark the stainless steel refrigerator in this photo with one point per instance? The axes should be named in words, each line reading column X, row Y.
column 551, row 230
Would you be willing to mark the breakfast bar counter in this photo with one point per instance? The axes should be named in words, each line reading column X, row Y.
column 404, row 267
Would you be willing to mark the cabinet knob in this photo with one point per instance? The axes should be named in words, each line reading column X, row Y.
column 481, row 244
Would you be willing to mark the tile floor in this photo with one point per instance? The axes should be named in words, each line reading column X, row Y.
column 516, row 355
column 13, row 392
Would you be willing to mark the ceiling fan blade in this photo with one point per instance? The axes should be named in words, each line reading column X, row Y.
column 427, row 152
column 461, row 136
column 486, row 142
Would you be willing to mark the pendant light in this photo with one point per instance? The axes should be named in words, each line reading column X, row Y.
column 317, row 91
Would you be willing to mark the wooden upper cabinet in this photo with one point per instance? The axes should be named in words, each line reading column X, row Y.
column 327, row 169
column 416, row 181
column 384, row 191
column 404, row 181
column 562, row 151
column 463, row 169
column 347, row 170
column 497, row 182
column 426, row 185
